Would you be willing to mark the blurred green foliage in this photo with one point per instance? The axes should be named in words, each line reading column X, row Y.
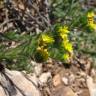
column 67, row 12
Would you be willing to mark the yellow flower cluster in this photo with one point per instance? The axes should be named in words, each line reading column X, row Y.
column 91, row 23
column 64, row 35
column 63, row 31
column 66, row 56
column 42, row 51
column 68, row 46
column 47, row 39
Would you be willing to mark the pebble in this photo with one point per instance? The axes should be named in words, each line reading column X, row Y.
column 56, row 80
column 91, row 86
column 63, row 91
column 44, row 78
column 71, row 78
column 65, row 80
column 93, row 72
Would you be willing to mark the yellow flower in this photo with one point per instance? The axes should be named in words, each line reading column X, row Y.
column 93, row 26
column 68, row 46
column 90, row 14
column 47, row 39
column 64, row 42
column 46, row 51
column 64, row 36
column 90, row 20
column 91, row 23
column 66, row 56
column 63, row 30
column 39, row 48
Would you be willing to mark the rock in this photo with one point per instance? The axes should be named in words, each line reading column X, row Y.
column 34, row 79
column 69, row 92
column 44, row 78
column 93, row 72
column 8, row 86
column 38, row 69
column 65, row 80
column 33, row 63
column 56, row 80
column 91, row 86
column 82, row 83
column 71, row 78
column 2, row 93
column 88, row 66
column 24, row 72
column 79, row 92
column 24, row 86
column 80, row 74
column 63, row 91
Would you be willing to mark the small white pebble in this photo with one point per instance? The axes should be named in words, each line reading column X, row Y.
column 65, row 80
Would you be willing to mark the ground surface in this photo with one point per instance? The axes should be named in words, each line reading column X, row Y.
column 74, row 83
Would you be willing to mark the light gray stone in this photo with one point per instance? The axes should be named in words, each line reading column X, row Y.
column 34, row 79
column 91, row 86
column 71, row 78
column 2, row 93
column 17, row 84
column 44, row 78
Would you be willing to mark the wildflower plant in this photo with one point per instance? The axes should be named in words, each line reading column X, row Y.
column 65, row 45
column 84, row 37
column 42, row 53
column 91, row 22
column 58, row 41
column 72, row 15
